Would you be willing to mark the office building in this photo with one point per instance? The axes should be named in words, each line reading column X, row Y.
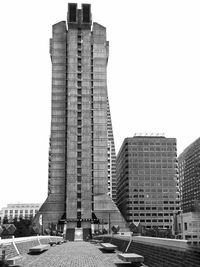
column 147, row 180
column 187, row 222
column 189, row 177
column 80, row 141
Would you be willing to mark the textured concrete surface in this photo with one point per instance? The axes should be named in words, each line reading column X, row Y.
column 73, row 254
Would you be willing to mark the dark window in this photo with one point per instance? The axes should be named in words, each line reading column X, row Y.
column 78, row 186
column 79, row 170
column 79, row 37
column 78, row 146
column 185, row 226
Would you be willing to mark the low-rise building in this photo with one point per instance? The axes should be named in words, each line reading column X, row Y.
column 19, row 210
column 187, row 225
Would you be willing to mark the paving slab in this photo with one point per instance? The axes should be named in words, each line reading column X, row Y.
column 73, row 254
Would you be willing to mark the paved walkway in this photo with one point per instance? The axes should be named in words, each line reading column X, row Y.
column 74, row 254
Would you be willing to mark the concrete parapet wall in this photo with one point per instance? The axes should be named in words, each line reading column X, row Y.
column 21, row 245
column 176, row 244
column 159, row 252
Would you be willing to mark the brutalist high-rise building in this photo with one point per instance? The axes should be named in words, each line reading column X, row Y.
column 147, row 180
column 79, row 143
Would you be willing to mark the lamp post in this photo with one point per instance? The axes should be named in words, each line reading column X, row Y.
column 102, row 225
column 109, row 223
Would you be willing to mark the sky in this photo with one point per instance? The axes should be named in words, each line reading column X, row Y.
column 153, row 80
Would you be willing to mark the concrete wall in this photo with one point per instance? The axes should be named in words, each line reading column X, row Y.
column 160, row 252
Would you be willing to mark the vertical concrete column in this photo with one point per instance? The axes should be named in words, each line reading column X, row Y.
column 71, row 176
column 100, row 109
column 86, row 125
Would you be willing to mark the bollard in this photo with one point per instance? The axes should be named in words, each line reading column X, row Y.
column 38, row 238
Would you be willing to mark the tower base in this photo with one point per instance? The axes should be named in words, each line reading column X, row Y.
column 105, row 212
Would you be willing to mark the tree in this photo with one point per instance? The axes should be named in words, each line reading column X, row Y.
column 5, row 220
column 23, row 228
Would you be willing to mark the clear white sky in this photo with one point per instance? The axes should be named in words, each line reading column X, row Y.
column 153, row 80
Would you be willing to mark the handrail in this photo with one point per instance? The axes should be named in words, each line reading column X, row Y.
column 24, row 239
